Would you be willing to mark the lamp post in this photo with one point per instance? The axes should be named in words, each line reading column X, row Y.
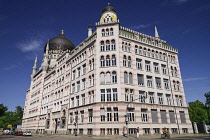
column 127, row 116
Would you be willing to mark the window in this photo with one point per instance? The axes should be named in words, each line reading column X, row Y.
column 154, row 116
column 71, row 117
column 149, row 81
column 84, row 69
column 172, row 118
column 129, row 95
column 79, row 72
column 102, row 75
column 102, row 113
column 141, row 96
column 102, row 61
column 111, row 31
column 116, row 114
column 81, row 131
column 166, row 85
column 144, row 115
column 156, row 68
column 136, row 49
column 72, row 102
column 151, row 98
column 182, row 116
column 147, row 66
column 102, row 95
column 156, row 130
column 115, row 96
column 78, row 86
column 107, row 30
column 102, row 131
column 73, row 88
column 109, row 114
column 168, row 99
column 83, row 83
column 124, row 61
column 163, row 116
column 184, row 130
column 74, row 75
column 76, row 117
column 116, row 131
column 129, row 61
column 90, row 131
column 102, row 46
column 109, row 95
column 113, row 60
column 77, row 100
column 125, row 77
column 108, row 77
column 160, row 98
column 90, row 113
column 132, row 131
column 82, row 116
column 158, row 82
column 131, row 117
column 113, row 47
column 109, row 131
column 174, row 131
column 107, row 61
column 107, row 45
column 114, row 77
column 175, row 72
column 140, row 78
column 164, row 71
column 83, row 99
column 103, row 32
column 138, row 63
column 130, row 78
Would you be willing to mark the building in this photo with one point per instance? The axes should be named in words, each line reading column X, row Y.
column 114, row 81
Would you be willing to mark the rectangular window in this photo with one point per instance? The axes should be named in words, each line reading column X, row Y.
column 171, row 115
column 82, row 116
column 115, row 96
column 151, row 98
column 73, row 88
column 164, row 70
column 116, row 131
column 81, row 131
column 141, row 96
column 77, row 100
column 138, row 63
column 116, row 114
column 78, row 86
column 102, row 113
column 147, row 66
column 166, row 85
column 144, row 115
column 90, row 113
column 160, row 98
column 174, row 131
column 131, row 116
column 132, row 131
column 83, row 99
column 149, row 81
column 102, row 131
column 156, row 67
column 84, row 69
column 90, row 131
column 184, row 130
column 163, row 116
column 182, row 116
column 168, row 98
column 109, row 131
column 140, row 78
column 102, row 95
column 154, row 116
column 156, row 130
column 158, row 82
column 109, row 114
column 146, row 130
column 71, row 117
column 109, row 95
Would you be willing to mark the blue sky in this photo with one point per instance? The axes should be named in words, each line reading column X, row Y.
column 26, row 25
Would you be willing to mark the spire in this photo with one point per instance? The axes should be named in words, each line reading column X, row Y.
column 90, row 30
column 62, row 32
column 34, row 67
column 156, row 32
column 47, row 48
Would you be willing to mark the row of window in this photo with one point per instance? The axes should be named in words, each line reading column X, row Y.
column 107, row 45
column 131, row 131
column 107, row 32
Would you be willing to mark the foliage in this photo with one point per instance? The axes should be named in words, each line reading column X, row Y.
column 3, row 109
column 207, row 95
column 11, row 118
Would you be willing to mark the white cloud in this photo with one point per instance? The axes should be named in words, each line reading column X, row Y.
column 30, row 45
column 10, row 67
column 141, row 26
column 194, row 79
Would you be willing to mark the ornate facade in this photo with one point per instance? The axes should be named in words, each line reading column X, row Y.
column 114, row 81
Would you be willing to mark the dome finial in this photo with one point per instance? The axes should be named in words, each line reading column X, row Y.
column 62, row 32
column 108, row 4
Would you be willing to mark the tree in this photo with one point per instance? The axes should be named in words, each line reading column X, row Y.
column 3, row 109
column 207, row 95
column 198, row 112
column 18, row 114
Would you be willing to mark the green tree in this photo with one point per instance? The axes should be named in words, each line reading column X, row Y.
column 197, row 112
column 18, row 114
column 3, row 109
column 207, row 103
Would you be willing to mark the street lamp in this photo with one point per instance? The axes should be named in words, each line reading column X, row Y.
column 127, row 116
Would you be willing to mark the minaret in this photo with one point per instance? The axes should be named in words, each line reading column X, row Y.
column 90, row 30
column 45, row 58
column 34, row 67
column 156, row 32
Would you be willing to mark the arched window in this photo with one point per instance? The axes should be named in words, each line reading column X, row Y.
column 102, row 61
column 175, row 71
column 114, row 77
column 129, row 61
column 136, row 49
column 129, row 47
column 130, row 78
column 125, row 77
column 111, row 31
column 123, row 46
column 102, row 75
column 178, row 85
column 113, row 60
column 90, row 65
column 140, row 51
column 172, row 71
column 108, row 77
column 102, row 46
column 107, row 60
column 148, row 52
column 126, row 47
column 174, row 84
column 107, row 32
column 103, row 32
column 113, row 45
column 124, row 61
column 107, row 45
